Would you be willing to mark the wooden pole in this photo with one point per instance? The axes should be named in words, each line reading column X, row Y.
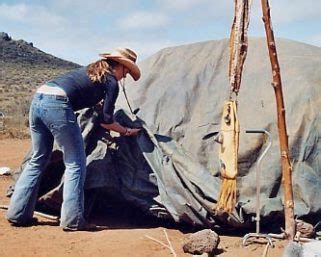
column 283, row 137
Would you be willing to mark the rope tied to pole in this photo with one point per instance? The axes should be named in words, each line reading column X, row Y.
column 122, row 84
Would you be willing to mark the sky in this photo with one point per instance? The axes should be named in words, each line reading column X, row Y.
column 78, row 30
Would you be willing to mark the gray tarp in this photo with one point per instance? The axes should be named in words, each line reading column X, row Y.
column 171, row 169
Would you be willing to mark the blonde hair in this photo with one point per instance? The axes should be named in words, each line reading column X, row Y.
column 98, row 70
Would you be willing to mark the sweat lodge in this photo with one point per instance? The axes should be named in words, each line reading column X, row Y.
column 171, row 170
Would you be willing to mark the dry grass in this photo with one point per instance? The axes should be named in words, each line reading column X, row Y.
column 17, row 85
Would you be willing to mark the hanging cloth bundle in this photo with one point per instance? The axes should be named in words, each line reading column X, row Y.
column 230, row 129
column 229, row 137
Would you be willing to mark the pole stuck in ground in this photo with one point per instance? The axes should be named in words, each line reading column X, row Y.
column 283, row 137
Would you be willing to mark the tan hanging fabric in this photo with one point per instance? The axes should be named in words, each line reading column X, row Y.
column 229, row 137
column 238, row 42
column 230, row 128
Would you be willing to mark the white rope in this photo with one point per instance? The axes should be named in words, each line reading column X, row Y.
column 169, row 246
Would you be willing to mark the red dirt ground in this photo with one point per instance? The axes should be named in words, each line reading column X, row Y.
column 47, row 239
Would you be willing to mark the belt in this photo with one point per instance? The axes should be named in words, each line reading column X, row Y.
column 48, row 90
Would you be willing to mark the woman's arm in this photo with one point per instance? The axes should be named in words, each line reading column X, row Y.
column 115, row 126
column 111, row 91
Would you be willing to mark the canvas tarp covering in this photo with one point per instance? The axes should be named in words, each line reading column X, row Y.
column 171, row 169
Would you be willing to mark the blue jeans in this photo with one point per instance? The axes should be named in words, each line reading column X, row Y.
column 52, row 118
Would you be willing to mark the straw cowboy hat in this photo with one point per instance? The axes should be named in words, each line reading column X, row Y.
column 126, row 57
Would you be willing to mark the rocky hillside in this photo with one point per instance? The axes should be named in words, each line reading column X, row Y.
column 23, row 67
column 22, row 52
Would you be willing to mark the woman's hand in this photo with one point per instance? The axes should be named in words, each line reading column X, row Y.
column 115, row 126
column 132, row 131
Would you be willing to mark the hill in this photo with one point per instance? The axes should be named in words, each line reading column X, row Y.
column 23, row 68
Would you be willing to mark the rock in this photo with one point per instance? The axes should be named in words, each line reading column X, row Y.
column 292, row 249
column 312, row 249
column 4, row 36
column 295, row 249
column 204, row 241
column 305, row 229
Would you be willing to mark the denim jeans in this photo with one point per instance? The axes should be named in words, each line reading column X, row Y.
column 52, row 118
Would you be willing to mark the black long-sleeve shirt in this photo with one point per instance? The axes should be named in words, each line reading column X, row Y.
column 83, row 93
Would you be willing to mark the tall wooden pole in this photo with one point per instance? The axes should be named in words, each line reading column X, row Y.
column 283, row 137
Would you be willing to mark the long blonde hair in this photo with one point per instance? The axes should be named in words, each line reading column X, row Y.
column 97, row 71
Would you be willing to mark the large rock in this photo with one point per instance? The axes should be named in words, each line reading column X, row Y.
column 4, row 36
column 204, row 241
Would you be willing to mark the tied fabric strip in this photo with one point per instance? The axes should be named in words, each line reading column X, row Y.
column 238, row 44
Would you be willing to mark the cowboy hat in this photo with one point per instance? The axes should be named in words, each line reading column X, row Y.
column 126, row 57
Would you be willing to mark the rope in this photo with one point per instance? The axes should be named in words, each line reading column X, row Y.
column 122, row 84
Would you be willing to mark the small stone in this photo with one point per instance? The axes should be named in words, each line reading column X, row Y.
column 305, row 229
column 204, row 241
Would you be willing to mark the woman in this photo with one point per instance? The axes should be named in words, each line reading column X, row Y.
column 52, row 118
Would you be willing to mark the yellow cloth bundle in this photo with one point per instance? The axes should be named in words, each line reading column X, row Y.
column 228, row 156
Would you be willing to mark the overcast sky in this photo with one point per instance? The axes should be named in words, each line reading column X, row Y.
column 77, row 30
